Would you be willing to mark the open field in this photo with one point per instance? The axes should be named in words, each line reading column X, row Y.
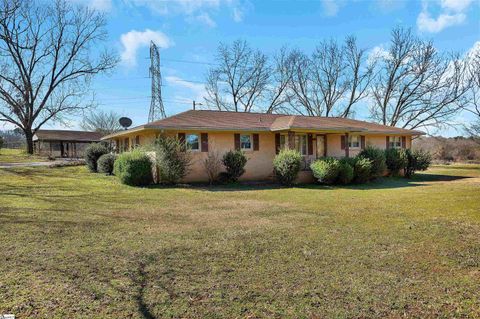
column 76, row 244
column 18, row 156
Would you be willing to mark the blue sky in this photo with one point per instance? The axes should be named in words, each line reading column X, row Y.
column 189, row 32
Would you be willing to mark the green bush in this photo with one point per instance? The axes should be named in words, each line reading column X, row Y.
column 326, row 170
column 134, row 168
column 417, row 160
column 362, row 168
column 172, row 160
column 377, row 158
column 234, row 162
column 92, row 154
column 286, row 166
column 345, row 171
column 105, row 163
column 394, row 161
column 1, row 142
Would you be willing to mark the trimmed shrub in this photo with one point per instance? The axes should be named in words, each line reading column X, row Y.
column 234, row 162
column 345, row 171
column 394, row 161
column 417, row 160
column 377, row 158
column 134, row 168
column 326, row 170
column 286, row 166
column 213, row 165
column 92, row 154
column 105, row 163
column 362, row 168
column 172, row 160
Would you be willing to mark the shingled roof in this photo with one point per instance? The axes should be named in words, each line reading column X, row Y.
column 65, row 135
column 209, row 120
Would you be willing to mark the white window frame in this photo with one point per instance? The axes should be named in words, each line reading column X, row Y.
column 251, row 142
column 395, row 142
column 298, row 146
column 187, row 144
column 350, row 142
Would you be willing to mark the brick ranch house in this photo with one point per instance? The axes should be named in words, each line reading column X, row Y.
column 261, row 136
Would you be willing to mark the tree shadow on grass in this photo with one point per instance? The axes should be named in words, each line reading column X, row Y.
column 141, row 282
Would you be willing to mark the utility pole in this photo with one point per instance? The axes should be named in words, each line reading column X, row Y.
column 195, row 104
column 156, row 106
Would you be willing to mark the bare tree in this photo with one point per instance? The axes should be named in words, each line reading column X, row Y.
column 473, row 107
column 332, row 80
column 415, row 86
column 281, row 75
column 359, row 74
column 239, row 79
column 101, row 121
column 47, row 61
column 305, row 93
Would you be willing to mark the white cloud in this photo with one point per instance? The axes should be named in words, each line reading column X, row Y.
column 203, row 18
column 426, row 23
column 134, row 40
column 378, row 52
column 453, row 12
column 456, row 5
column 237, row 14
column 197, row 89
column 100, row 5
column 187, row 7
column 195, row 11
column 330, row 7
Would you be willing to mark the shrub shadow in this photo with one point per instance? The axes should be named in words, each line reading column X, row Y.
column 381, row 183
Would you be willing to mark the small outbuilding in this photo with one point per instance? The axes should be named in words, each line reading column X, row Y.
column 63, row 143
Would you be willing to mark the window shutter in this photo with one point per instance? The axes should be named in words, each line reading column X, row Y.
column 236, row 138
column 256, row 142
column 204, row 139
column 277, row 143
column 404, row 142
column 362, row 142
column 310, row 144
column 388, row 142
column 181, row 138
column 342, row 142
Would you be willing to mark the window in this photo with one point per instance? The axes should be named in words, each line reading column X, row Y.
column 193, row 142
column 353, row 141
column 283, row 143
column 245, row 142
column 301, row 144
column 395, row 142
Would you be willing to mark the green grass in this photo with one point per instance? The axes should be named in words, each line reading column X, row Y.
column 8, row 155
column 76, row 244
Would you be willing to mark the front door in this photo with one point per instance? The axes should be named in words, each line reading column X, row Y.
column 320, row 146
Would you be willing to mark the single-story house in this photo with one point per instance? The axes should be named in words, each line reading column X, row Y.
column 63, row 143
column 261, row 136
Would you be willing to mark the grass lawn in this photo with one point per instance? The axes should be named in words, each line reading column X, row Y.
column 8, row 155
column 76, row 244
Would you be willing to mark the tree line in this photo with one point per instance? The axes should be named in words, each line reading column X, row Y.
column 409, row 84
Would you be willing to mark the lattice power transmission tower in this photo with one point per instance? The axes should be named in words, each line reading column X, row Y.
column 156, row 107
